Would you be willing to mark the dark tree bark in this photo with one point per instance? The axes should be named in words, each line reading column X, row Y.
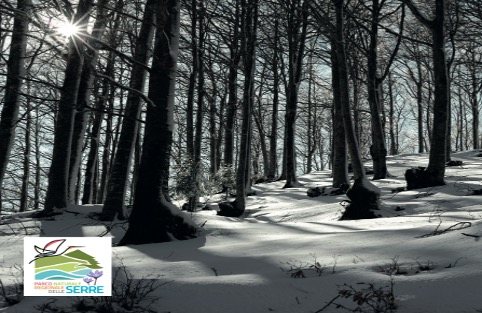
column 297, row 28
column 434, row 174
column 26, row 156
column 340, row 168
column 259, row 119
column 82, row 114
column 199, row 70
column 13, row 86
column 249, row 62
column 234, row 59
column 57, row 192
column 117, row 185
column 273, row 137
column 363, row 194
column 106, row 151
column 375, row 80
column 378, row 150
column 393, row 129
column 154, row 218
column 213, row 133
column 192, row 84
column 92, row 166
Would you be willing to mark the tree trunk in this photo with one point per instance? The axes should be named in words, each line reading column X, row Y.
column 273, row 137
column 437, row 156
column 82, row 115
column 474, row 104
column 363, row 194
column 92, row 165
column 213, row 140
column 117, row 185
column 106, row 152
column 57, row 191
column 235, row 57
column 13, row 86
column 249, row 61
column 297, row 21
column 199, row 69
column 153, row 218
column 26, row 156
column 419, row 84
column 391, row 117
column 340, row 169
column 435, row 171
column 378, row 150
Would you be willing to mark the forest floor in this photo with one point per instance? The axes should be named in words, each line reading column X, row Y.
column 290, row 253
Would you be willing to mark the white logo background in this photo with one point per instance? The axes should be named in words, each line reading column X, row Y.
column 98, row 247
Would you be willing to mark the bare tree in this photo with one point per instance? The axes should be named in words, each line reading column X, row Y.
column 117, row 185
column 363, row 194
column 57, row 192
column 154, row 218
column 13, row 86
column 434, row 174
column 297, row 20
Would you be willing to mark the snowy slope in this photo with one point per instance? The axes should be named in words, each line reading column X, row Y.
column 246, row 265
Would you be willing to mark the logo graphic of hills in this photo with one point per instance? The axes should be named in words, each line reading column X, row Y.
column 69, row 266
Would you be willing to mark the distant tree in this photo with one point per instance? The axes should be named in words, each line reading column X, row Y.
column 153, row 217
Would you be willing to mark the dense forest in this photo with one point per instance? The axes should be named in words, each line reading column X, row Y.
column 136, row 103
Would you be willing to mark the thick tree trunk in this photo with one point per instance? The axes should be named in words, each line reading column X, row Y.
column 378, row 149
column 437, row 157
column 297, row 21
column 199, row 70
column 117, row 185
column 273, row 137
column 153, row 218
column 57, row 191
column 435, row 171
column 340, row 168
column 192, row 85
column 363, row 194
column 13, row 86
column 249, row 61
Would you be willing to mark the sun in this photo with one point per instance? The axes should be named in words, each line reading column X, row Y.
column 67, row 29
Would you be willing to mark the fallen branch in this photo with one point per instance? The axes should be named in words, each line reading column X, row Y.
column 470, row 235
column 457, row 226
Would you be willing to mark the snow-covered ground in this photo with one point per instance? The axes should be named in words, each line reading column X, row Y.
column 428, row 237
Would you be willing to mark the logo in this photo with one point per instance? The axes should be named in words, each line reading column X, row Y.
column 70, row 266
